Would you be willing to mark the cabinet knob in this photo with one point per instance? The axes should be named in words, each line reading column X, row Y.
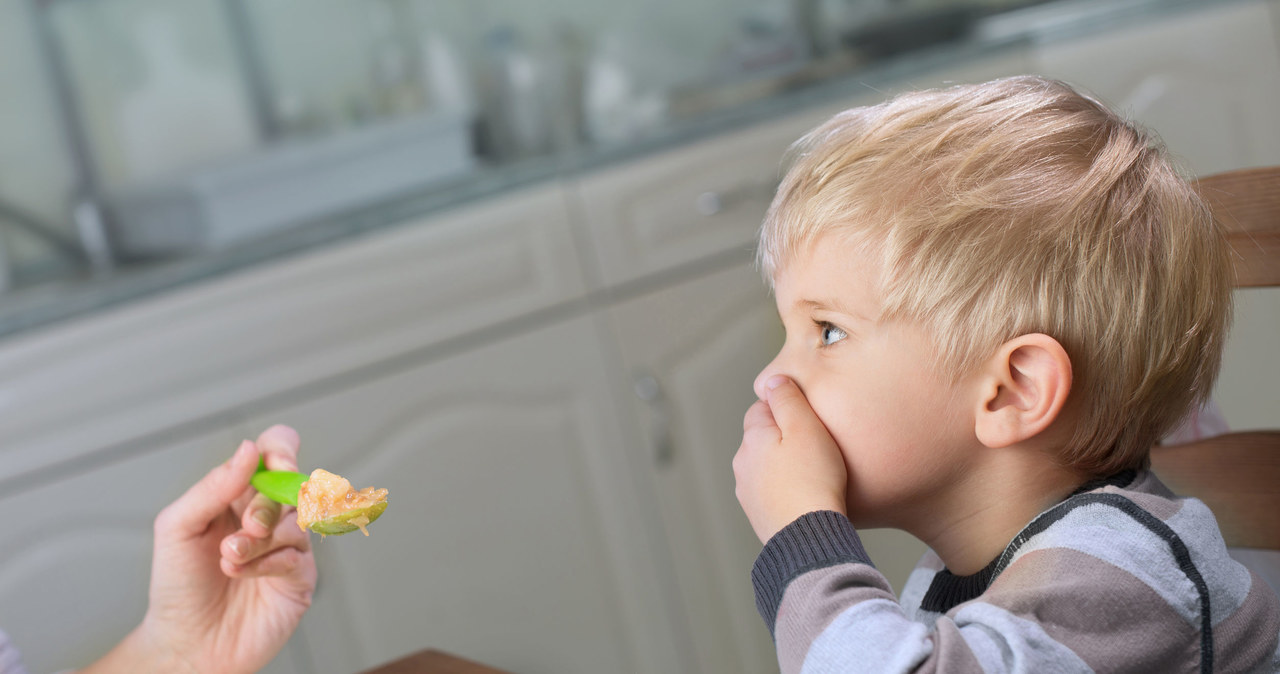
column 649, row 390
column 715, row 202
column 709, row 203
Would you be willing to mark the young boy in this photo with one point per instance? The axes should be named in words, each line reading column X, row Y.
column 996, row 299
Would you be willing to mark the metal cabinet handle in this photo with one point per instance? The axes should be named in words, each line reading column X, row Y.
column 709, row 203
column 649, row 390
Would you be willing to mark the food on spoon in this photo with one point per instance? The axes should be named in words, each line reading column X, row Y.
column 328, row 505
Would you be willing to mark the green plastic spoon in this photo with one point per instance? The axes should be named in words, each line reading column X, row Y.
column 282, row 486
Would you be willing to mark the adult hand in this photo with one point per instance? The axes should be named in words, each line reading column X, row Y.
column 788, row 464
column 231, row 574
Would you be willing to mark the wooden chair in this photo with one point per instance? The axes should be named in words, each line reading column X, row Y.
column 1238, row 474
column 431, row 661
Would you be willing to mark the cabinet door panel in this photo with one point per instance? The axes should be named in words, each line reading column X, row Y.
column 206, row 349
column 512, row 534
column 76, row 559
column 703, row 343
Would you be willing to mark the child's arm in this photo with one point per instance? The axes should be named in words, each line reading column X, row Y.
column 1054, row 608
column 791, row 483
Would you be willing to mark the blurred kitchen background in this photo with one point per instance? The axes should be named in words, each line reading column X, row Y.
column 492, row 254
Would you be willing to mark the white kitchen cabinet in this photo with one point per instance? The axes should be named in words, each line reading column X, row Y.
column 1208, row 81
column 76, row 554
column 215, row 348
column 514, row 535
column 690, row 354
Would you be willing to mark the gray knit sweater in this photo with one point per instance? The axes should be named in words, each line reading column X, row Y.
column 1122, row 576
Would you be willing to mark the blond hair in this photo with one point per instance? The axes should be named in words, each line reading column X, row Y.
column 1020, row 206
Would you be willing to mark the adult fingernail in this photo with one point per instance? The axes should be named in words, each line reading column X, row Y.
column 775, row 381
column 280, row 436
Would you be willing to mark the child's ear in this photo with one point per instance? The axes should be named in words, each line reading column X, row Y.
column 1023, row 388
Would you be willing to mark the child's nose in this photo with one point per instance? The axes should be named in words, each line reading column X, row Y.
column 768, row 371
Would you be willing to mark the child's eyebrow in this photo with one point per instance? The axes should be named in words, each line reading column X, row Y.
column 830, row 305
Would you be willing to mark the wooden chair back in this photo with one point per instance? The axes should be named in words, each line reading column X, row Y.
column 1238, row 474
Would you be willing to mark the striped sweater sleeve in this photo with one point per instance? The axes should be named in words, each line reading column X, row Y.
column 1093, row 589
column 831, row 611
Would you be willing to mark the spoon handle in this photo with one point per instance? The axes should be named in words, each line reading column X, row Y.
column 280, row 486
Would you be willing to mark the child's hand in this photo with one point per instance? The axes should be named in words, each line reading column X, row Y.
column 788, row 464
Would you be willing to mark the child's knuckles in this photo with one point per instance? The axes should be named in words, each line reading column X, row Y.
column 757, row 415
column 739, row 462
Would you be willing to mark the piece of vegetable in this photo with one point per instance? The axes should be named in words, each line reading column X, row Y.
column 328, row 505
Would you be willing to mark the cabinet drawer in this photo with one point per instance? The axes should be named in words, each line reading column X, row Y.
column 221, row 347
column 682, row 205
column 685, row 204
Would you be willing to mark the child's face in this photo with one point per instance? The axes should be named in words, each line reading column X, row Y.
column 902, row 427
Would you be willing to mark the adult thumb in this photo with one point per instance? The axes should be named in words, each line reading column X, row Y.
column 790, row 407
column 211, row 496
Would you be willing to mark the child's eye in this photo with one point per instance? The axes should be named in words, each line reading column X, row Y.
column 830, row 333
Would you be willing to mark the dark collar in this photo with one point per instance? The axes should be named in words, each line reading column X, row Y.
column 949, row 590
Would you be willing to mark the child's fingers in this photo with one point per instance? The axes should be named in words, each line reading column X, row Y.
column 791, row 410
column 758, row 416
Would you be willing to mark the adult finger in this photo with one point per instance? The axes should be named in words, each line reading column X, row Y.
column 241, row 549
column 260, row 516
column 279, row 446
column 210, row 497
column 281, row 562
column 790, row 408
column 277, row 556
